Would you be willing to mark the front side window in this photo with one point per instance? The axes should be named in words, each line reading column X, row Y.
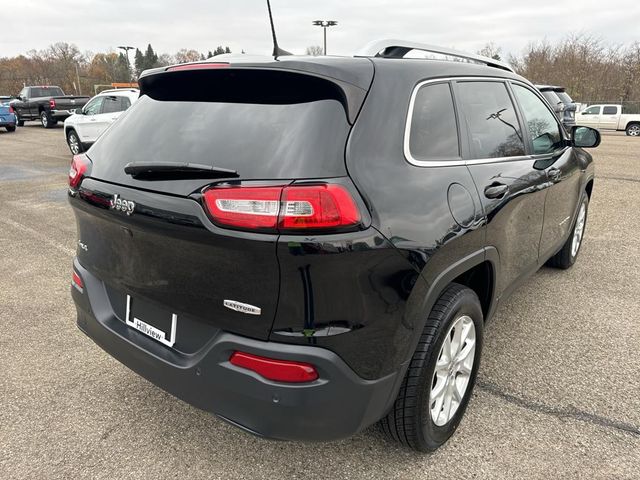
column 609, row 110
column 541, row 123
column 115, row 104
column 591, row 111
column 434, row 133
column 491, row 120
column 94, row 106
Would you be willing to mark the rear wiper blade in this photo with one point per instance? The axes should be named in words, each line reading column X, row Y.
column 175, row 171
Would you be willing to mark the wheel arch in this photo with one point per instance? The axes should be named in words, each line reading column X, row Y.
column 477, row 271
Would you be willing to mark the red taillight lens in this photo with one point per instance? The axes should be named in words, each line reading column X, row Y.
column 79, row 166
column 52, row 103
column 77, row 281
column 11, row 110
column 318, row 206
column 285, row 208
column 198, row 66
column 244, row 207
column 276, row 370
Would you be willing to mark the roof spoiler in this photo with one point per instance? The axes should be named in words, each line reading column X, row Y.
column 393, row 48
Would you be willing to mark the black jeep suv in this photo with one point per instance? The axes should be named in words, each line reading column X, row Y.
column 305, row 246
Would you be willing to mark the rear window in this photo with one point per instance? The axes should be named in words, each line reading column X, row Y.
column 564, row 96
column 609, row 110
column 552, row 98
column 258, row 140
column 46, row 92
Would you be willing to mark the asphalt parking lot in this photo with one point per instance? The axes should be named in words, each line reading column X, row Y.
column 558, row 393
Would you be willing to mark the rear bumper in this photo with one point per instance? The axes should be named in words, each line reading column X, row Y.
column 61, row 114
column 337, row 405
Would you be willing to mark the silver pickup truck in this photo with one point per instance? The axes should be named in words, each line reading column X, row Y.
column 609, row 117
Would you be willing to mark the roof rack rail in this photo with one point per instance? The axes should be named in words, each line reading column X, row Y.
column 392, row 48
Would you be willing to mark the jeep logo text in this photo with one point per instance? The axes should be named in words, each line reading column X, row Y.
column 126, row 206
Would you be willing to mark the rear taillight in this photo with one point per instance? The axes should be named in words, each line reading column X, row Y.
column 276, row 370
column 52, row 103
column 11, row 110
column 76, row 281
column 292, row 208
column 79, row 167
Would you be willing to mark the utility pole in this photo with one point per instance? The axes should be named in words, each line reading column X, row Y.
column 325, row 24
column 126, row 54
column 78, row 78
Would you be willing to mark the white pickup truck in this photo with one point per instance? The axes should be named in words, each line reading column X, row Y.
column 609, row 117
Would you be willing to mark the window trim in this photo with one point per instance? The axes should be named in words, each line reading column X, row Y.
column 407, row 129
column 461, row 131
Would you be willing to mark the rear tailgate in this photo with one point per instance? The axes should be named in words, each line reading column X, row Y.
column 270, row 127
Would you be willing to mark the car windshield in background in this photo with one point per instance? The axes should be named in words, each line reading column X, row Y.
column 46, row 92
column 564, row 96
column 5, row 100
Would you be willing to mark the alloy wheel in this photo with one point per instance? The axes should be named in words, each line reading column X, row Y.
column 74, row 144
column 578, row 230
column 453, row 370
column 44, row 119
column 634, row 130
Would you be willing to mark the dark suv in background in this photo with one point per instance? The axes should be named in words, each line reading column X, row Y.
column 563, row 106
column 307, row 245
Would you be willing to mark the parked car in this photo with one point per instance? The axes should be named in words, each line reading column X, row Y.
column 609, row 117
column 305, row 248
column 83, row 128
column 564, row 106
column 7, row 115
column 49, row 104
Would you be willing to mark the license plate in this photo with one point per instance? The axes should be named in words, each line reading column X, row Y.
column 152, row 321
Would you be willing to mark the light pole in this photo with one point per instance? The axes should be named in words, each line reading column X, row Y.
column 126, row 54
column 325, row 24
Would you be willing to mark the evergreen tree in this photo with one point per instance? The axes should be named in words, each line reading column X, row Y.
column 139, row 62
column 150, row 58
column 227, row 50
column 122, row 69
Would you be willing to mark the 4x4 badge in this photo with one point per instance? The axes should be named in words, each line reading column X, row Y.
column 126, row 206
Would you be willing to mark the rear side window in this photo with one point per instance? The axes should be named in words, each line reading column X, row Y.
column 541, row 123
column 592, row 111
column 491, row 120
column 609, row 110
column 434, row 132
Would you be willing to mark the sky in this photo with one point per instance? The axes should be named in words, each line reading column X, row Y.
column 169, row 25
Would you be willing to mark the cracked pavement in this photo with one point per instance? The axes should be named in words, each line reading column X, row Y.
column 558, row 393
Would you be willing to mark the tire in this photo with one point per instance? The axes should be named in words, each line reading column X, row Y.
column 46, row 120
column 11, row 129
column 567, row 256
column 411, row 419
column 75, row 145
column 19, row 121
column 633, row 130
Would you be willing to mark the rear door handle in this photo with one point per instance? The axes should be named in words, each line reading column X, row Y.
column 554, row 174
column 496, row 190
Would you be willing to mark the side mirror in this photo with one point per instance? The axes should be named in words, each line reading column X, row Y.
column 585, row 137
